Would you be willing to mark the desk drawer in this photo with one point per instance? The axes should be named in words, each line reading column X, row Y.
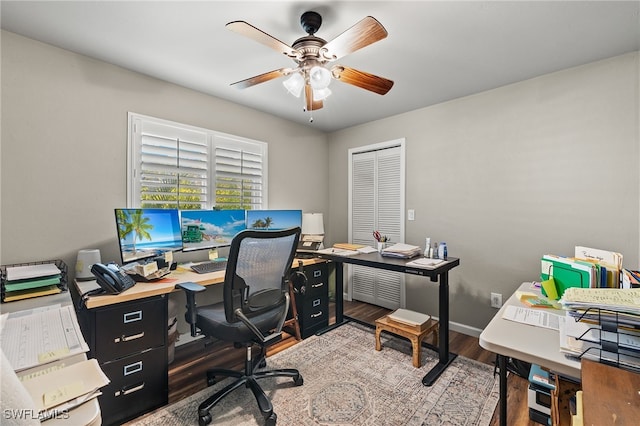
column 314, row 314
column 139, row 383
column 130, row 327
column 317, row 278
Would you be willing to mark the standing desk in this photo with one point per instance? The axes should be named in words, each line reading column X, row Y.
column 528, row 343
column 439, row 273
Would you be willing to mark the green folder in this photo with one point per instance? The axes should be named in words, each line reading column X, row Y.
column 31, row 283
column 566, row 273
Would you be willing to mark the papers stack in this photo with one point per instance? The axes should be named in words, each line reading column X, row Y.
column 602, row 324
column 46, row 349
column 23, row 282
column 401, row 250
column 60, row 390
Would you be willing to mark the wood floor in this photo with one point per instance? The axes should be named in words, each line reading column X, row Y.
column 187, row 371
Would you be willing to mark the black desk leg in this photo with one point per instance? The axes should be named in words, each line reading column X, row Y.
column 445, row 358
column 339, row 302
column 502, row 366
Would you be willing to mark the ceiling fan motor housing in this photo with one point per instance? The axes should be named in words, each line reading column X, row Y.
column 310, row 22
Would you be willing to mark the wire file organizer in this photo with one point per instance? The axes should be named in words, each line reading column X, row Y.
column 612, row 337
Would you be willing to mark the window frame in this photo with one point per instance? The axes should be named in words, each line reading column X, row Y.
column 213, row 139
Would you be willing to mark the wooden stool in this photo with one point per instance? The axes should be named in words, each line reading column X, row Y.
column 415, row 335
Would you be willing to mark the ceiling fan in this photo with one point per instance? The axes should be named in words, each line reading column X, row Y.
column 312, row 56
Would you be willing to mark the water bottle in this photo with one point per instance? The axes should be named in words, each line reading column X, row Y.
column 442, row 251
column 427, row 247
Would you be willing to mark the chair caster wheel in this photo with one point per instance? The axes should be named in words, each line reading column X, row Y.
column 205, row 420
column 298, row 381
column 271, row 420
column 211, row 379
column 262, row 364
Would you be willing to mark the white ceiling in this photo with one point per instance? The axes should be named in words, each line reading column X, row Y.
column 436, row 50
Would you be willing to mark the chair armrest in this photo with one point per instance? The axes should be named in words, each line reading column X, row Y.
column 191, row 287
column 191, row 314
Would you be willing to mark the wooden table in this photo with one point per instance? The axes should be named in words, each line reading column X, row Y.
column 610, row 395
column 415, row 336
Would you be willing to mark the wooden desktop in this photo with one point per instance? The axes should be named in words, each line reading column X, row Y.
column 127, row 334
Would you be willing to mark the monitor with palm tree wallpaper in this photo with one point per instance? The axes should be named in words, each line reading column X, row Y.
column 144, row 233
column 273, row 219
column 208, row 229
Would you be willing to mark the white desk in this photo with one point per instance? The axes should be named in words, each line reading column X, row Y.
column 536, row 345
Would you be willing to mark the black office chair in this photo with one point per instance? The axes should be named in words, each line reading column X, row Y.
column 254, row 308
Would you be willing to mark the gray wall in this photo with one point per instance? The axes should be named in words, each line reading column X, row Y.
column 64, row 140
column 510, row 174
column 503, row 176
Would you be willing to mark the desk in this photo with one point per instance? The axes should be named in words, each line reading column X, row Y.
column 440, row 273
column 127, row 334
column 531, row 344
column 163, row 286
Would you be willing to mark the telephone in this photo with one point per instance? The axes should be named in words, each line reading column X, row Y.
column 112, row 278
column 310, row 242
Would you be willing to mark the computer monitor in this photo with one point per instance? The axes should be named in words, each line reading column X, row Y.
column 144, row 233
column 273, row 219
column 209, row 229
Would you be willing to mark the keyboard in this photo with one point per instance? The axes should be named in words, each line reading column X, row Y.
column 207, row 267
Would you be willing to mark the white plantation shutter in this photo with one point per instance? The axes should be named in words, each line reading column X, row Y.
column 377, row 203
column 172, row 165
column 239, row 174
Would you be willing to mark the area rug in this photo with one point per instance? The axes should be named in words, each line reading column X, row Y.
column 348, row 382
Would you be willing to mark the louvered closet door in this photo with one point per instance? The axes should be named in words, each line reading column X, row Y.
column 377, row 202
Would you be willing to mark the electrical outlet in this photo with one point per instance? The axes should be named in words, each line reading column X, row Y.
column 411, row 214
column 496, row 300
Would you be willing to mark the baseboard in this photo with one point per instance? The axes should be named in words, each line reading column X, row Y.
column 463, row 328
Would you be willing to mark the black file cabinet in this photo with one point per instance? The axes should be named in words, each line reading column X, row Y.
column 313, row 303
column 129, row 342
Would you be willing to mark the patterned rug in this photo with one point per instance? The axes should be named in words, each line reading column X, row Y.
column 348, row 382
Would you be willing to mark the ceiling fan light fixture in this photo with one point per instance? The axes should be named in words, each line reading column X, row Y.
column 321, row 94
column 294, row 84
column 319, row 77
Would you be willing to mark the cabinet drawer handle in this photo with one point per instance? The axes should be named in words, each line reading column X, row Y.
column 132, row 316
column 127, row 390
column 128, row 338
column 132, row 368
column 317, row 273
column 316, row 315
column 317, row 285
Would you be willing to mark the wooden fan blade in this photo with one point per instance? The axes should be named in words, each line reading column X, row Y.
column 311, row 104
column 243, row 84
column 362, row 34
column 364, row 80
column 248, row 30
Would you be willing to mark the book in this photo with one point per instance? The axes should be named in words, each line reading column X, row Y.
column 412, row 319
column 348, row 246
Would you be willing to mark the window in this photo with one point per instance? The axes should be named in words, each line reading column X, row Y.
column 173, row 165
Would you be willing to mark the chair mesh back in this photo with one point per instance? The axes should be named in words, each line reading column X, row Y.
column 260, row 261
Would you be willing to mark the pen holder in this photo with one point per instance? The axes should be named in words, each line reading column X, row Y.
column 382, row 246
